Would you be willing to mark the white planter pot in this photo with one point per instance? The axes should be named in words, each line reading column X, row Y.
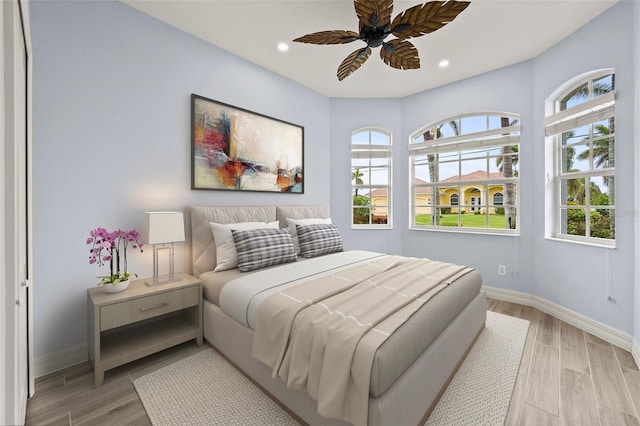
column 116, row 288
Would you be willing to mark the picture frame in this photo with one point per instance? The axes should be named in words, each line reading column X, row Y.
column 234, row 149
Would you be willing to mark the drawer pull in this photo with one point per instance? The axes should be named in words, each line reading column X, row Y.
column 148, row 308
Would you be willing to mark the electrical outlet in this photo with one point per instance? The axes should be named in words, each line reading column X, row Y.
column 502, row 270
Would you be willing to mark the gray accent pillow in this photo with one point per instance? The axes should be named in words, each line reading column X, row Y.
column 259, row 248
column 318, row 239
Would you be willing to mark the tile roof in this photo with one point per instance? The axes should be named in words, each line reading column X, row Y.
column 477, row 175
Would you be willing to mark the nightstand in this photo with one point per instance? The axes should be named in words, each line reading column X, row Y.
column 142, row 320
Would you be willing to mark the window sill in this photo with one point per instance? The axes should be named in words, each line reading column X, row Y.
column 371, row 227
column 582, row 243
column 498, row 233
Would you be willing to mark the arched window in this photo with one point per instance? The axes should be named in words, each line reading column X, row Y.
column 498, row 199
column 371, row 178
column 471, row 156
column 580, row 129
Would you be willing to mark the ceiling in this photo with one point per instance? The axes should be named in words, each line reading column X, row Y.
column 488, row 35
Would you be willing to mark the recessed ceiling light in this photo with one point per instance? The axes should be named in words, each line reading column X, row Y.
column 283, row 47
column 443, row 63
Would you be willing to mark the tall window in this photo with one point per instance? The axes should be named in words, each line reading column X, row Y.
column 464, row 163
column 371, row 178
column 582, row 132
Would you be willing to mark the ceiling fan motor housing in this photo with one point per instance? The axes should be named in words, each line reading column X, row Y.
column 374, row 36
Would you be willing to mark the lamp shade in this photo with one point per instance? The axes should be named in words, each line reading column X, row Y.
column 163, row 227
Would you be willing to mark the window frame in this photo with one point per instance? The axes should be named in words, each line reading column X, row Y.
column 370, row 150
column 487, row 139
column 558, row 122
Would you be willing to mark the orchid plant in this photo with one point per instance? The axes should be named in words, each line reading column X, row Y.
column 112, row 247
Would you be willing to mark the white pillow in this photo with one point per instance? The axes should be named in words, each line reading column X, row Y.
column 226, row 256
column 302, row 222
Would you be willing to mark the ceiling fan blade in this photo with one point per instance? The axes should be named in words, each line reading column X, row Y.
column 329, row 37
column 400, row 54
column 353, row 62
column 425, row 19
column 373, row 13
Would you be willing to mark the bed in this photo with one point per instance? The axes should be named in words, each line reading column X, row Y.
column 410, row 367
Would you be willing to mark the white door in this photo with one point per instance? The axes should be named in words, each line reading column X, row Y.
column 16, row 193
column 475, row 201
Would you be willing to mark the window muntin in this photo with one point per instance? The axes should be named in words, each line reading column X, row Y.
column 371, row 178
column 582, row 129
column 461, row 163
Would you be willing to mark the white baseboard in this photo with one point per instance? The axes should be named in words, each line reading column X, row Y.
column 635, row 351
column 509, row 295
column 54, row 361
column 603, row 331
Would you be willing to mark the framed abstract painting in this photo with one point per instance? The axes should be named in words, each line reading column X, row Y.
column 238, row 150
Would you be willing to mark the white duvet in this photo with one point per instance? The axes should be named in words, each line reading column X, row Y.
column 241, row 298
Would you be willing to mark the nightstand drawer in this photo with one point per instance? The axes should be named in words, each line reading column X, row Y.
column 141, row 308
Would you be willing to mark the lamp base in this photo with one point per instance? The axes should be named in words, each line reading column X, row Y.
column 171, row 278
column 152, row 283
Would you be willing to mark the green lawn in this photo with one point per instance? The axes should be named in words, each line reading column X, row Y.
column 467, row 220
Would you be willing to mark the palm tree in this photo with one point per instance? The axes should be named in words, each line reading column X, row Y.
column 611, row 162
column 357, row 176
column 507, row 164
column 570, row 151
column 575, row 191
column 499, row 160
column 432, row 161
column 599, row 88
column 604, row 148
column 602, row 152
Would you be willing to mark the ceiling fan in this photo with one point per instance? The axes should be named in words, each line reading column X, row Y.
column 375, row 26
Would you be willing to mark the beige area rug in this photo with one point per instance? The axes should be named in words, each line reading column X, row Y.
column 480, row 392
column 204, row 389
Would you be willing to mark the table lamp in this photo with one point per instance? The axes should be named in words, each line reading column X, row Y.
column 159, row 229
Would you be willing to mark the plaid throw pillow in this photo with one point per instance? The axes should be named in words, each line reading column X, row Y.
column 319, row 239
column 259, row 248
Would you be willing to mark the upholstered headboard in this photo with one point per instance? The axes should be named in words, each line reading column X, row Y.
column 203, row 249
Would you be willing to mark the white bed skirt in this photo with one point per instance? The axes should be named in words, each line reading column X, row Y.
column 404, row 403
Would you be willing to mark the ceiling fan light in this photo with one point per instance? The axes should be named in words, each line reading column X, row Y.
column 443, row 63
column 283, row 47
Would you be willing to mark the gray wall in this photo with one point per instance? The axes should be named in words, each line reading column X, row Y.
column 573, row 275
column 112, row 139
column 508, row 89
column 348, row 115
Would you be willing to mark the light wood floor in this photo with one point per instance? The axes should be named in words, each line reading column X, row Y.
column 567, row 377
column 570, row 377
